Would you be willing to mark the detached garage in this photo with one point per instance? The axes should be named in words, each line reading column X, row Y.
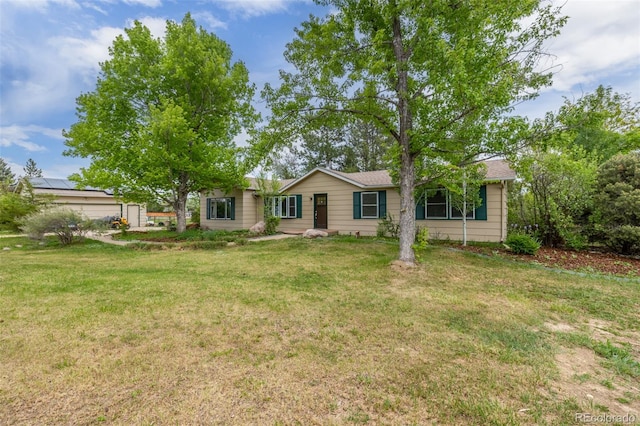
column 94, row 203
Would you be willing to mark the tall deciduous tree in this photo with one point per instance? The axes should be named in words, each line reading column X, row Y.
column 604, row 123
column 559, row 173
column 162, row 119
column 561, row 185
column 439, row 77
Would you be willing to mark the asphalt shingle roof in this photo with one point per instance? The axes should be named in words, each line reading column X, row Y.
column 496, row 170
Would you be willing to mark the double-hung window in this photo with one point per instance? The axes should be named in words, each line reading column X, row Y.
column 369, row 204
column 456, row 213
column 221, row 208
column 285, row 206
column 437, row 204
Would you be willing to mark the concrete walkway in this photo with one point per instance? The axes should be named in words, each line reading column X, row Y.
column 273, row 237
column 106, row 237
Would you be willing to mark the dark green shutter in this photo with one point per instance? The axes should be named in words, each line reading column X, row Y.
column 357, row 214
column 208, row 208
column 420, row 206
column 298, row 206
column 382, row 204
column 233, row 208
column 481, row 211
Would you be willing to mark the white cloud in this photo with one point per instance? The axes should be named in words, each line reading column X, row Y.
column 209, row 20
column 52, row 73
column 600, row 38
column 253, row 7
column 94, row 6
column 83, row 55
column 63, row 171
column 20, row 136
column 42, row 5
column 147, row 3
column 157, row 26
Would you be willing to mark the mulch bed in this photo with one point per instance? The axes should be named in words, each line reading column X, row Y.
column 582, row 261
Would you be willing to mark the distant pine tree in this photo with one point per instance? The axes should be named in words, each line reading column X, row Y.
column 6, row 175
column 31, row 170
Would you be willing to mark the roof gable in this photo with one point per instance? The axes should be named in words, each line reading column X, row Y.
column 375, row 179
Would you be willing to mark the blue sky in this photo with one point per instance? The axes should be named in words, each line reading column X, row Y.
column 50, row 52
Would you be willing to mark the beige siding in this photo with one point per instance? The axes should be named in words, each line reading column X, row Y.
column 339, row 205
column 340, row 211
column 245, row 210
column 492, row 229
column 93, row 204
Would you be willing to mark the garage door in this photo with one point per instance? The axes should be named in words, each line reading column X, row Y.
column 95, row 211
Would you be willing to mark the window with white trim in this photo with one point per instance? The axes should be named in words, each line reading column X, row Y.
column 369, row 205
column 285, row 206
column 436, row 204
column 456, row 213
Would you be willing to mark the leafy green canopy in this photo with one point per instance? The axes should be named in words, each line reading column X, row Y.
column 604, row 123
column 439, row 77
column 163, row 116
column 618, row 202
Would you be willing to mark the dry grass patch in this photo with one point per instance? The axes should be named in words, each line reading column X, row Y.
column 290, row 331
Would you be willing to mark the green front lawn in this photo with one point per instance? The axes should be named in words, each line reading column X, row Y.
column 303, row 331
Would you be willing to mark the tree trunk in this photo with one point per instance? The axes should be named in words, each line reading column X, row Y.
column 407, row 170
column 407, row 209
column 180, row 205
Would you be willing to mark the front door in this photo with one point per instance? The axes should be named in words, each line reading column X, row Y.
column 320, row 211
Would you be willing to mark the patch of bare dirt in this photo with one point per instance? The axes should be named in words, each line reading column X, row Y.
column 583, row 261
column 582, row 376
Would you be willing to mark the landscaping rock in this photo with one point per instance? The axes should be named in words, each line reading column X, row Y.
column 314, row 233
column 258, row 228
